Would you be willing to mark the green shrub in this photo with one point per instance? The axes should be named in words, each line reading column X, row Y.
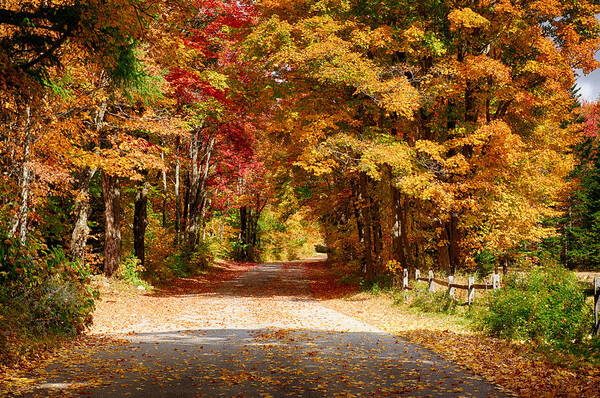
column 439, row 301
column 130, row 270
column 383, row 284
column 545, row 305
column 177, row 265
column 201, row 258
column 485, row 262
column 42, row 293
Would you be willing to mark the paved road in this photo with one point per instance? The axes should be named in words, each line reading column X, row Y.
column 266, row 337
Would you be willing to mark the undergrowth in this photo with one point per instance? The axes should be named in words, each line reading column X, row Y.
column 43, row 297
column 544, row 307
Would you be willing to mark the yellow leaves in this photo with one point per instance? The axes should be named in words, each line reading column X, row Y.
column 316, row 163
column 432, row 149
column 466, row 18
column 273, row 36
column 395, row 267
column 397, row 155
column 328, row 5
column 414, row 34
column 396, row 95
column 320, row 125
column 457, row 164
column 215, row 79
column 379, row 38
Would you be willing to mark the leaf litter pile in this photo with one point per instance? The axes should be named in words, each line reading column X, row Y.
column 253, row 331
column 514, row 366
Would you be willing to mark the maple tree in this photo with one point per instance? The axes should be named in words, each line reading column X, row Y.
column 437, row 127
column 143, row 138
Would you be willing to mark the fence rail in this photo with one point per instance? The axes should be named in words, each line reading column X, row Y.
column 472, row 286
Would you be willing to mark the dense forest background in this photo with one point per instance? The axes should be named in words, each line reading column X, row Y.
column 148, row 137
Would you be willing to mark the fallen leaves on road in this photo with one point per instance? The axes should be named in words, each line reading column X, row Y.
column 258, row 334
column 509, row 364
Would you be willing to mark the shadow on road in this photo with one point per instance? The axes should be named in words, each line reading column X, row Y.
column 257, row 362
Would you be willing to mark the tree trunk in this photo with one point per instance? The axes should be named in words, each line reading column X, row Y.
column 202, row 190
column 177, row 203
column 444, row 258
column 198, row 176
column 111, row 191
column 243, row 232
column 402, row 220
column 140, row 222
column 453, row 249
column 377, row 234
column 20, row 220
column 357, row 212
column 368, row 226
column 186, row 205
column 190, row 222
column 81, row 230
column 82, row 212
column 248, row 236
column 164, row 186
column 396, row 231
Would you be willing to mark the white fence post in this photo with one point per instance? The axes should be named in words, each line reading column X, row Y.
column 405, row 279
column 597, row 305
column 431, row 286
column 450, row 287
column 417, row 275
column 496, row 281
column 471, row 291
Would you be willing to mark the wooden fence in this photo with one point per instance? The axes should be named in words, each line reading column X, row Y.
column 451, row 286
column 595, row 291
column 471, row 286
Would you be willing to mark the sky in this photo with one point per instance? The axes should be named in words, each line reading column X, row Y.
column 590, row 84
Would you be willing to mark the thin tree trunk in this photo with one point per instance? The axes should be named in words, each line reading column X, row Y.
column 243, row 232
column 368, row 226
column 444, row 258
column 191, row 225
column 405, row 232
column 377, row 234
column 199, row 175
column 186, row 204
column 20, row 220
column 140, row 222
column 177, row 203
column 164, row 186
column 111, row 191
column 81, row 230
column 453, row 249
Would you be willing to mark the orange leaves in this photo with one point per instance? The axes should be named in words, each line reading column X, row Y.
column 128, row 157
column 547, row 8
column 481, row 66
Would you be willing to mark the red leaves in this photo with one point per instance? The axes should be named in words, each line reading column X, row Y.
column 190, row 88
column 215, row 23
column 591, row 112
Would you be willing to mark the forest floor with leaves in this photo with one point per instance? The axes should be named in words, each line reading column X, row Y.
column 248, row 330
column 518, row 367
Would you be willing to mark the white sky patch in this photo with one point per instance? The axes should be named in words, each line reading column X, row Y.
column 590, row 85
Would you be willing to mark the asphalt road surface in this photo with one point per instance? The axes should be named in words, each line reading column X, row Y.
column 265, row 337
